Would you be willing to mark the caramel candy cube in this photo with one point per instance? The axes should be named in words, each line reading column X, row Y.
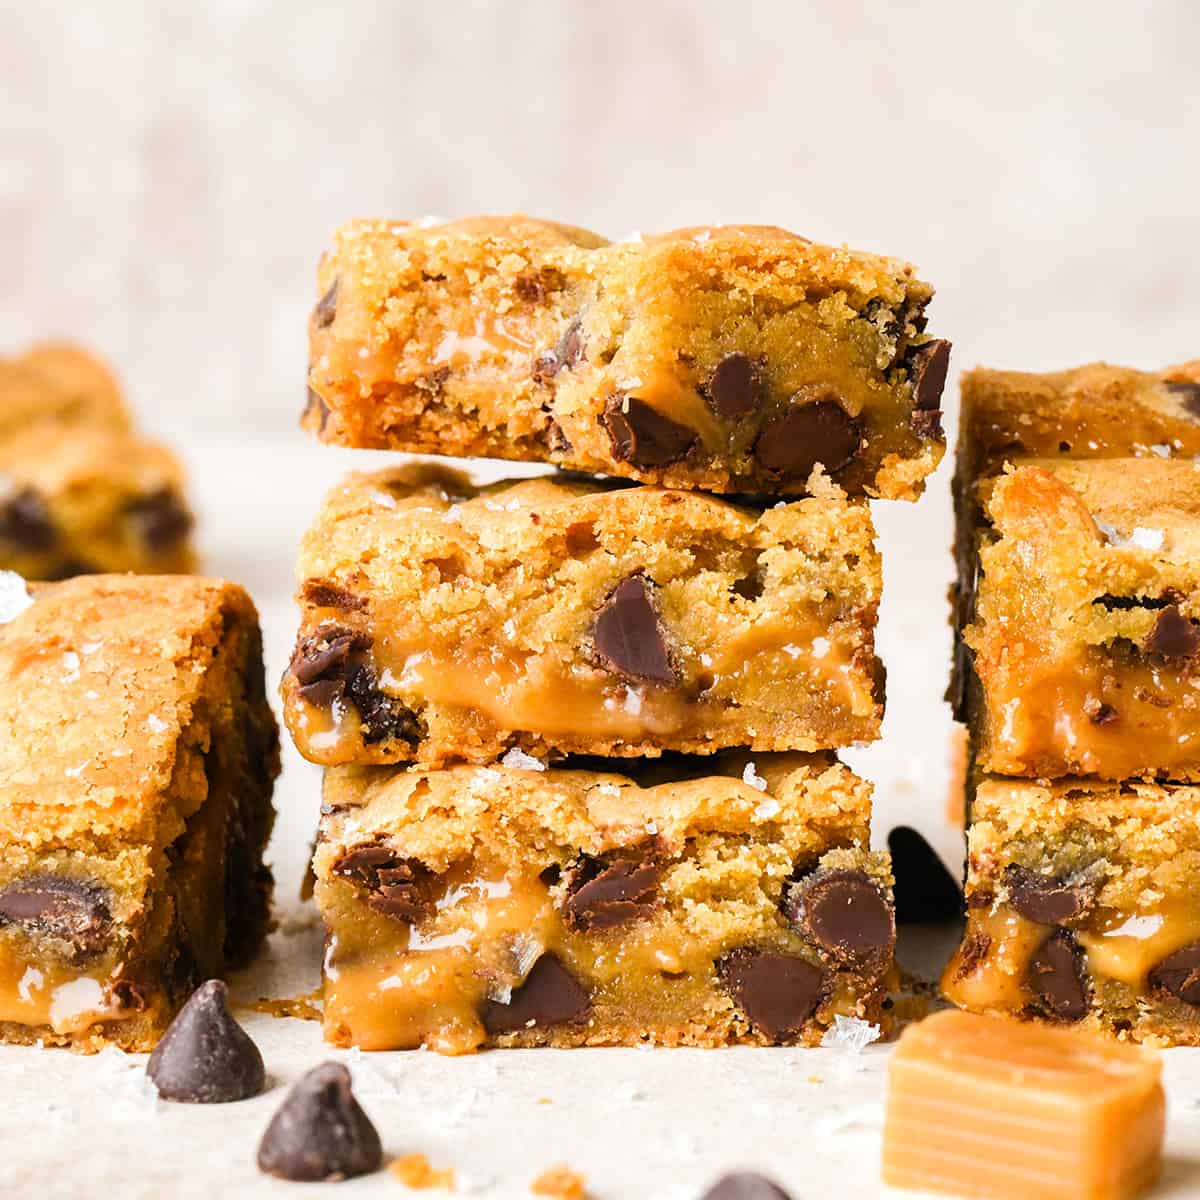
column 988, row 1106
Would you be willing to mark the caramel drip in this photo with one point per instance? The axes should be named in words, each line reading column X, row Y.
column 995, row 982
column 1127, row 947
column 45, row 994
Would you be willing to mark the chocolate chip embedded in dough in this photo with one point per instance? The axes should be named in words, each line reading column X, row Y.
column 845, row 914
column 1049, row 899
column 1057, row 977
column 629, row 636
column 927, row 366
column 1189, row 394
column 161, row 518
column 745, row 1185
column 324, row 654
column 206, row 1057
column 326, row 309
column 612, row 893
column 777, row 992
column 395, row 886
column 642, row 436
column 924, row 889
column 926, row 424
column 734, row 389
column 791, row 444
column 1179, row 974
column 381, row 717
column 320, row 1134
column 326, row 594
column 1173, row 635
column 25, row 521
column 69, row 911
column 315, row 404
column 549, row 996
column 570, row 351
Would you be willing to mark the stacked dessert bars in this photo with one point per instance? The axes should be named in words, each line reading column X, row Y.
column 578, row 731
column 1078, row 618
column 80, row 491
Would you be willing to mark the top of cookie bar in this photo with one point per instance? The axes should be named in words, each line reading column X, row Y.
column 56, row 381
column 103, row 680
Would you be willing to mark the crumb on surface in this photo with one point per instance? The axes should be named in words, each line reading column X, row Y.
column 560, row 1181
column 414, row 1171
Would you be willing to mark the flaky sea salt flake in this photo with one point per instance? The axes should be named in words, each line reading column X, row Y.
column 14, row 596
column 516, row 759
column 753, row 778
column 851, row 1034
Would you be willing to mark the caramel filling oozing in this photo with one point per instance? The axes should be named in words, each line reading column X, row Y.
column 44, row 994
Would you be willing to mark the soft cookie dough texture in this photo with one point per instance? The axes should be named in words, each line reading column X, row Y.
column 725, row 358
column 137, row 754
column 444, row 621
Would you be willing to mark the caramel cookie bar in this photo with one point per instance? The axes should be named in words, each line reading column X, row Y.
column 137, row 753
column 1082, row 629
column 729, row 359
column 76, row 499
column 58, row 382
column 1083, row 907
column 687, row 901
column 442, row 620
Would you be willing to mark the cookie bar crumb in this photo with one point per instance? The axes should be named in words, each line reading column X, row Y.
column 414, row 1171
column 560, row 1181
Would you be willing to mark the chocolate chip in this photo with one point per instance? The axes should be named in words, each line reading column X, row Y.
column 791, row 444
column 1173, row 635
column 396, row 887
column 325, row 654
column 777, row 992
column 566, row 355
column 63, row 910
column 606, row 894
column 845, row 913
column 326, row 308
column 924, row 889
column 550, row 995
column 745, row 1185
column 320, row 1134
column 1049, row 899
column 1179, row 974
column 314, row 404
column 25, row 521
column 1057, row 977
column 1098, row 712
column 628, row 633
column 734, row 389
column 161, row 519
column 206, row 1057
column 927, row 365
column 1189, row 394
column 926, row 424
column 325, row 594
column 642, row 436
column 381, row 717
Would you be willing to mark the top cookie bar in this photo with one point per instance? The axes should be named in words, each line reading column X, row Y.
column 728, row 359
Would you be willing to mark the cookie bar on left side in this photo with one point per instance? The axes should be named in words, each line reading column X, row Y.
column 137, row 758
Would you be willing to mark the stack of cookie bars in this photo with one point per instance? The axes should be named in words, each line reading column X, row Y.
column 578, row 730
column 1078, row 675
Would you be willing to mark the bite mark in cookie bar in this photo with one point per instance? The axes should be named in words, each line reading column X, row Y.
column 730, row 359
column 137, row 753
column 443, row 621
column 601, row 904
column 1082, row 907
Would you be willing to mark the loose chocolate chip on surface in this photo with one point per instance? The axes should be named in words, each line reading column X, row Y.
column 745, row 1185
column 845, row 914
column 642, row 436
column 320, row 1134
column 161, row 519
column 396, row 887
column 734, row 388
column 1179, row 974
column 65, row 910
column 206, row 1057
column 927, row 365
column 628, row 633
column 791, row 444
column 565, row 356
column 1057, row 977
column 326, row 308
column 25, row 521
column 1189, row 394
column 924, row 889
column 1173, row 635
column 777, row 992
column 550, row 995
column 608, row 894
column 1049, row 899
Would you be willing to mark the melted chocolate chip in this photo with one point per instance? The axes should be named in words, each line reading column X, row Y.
column 325, row 655
column 326, row 309
column 64, row 910
column 1189, row 394
column 566, row 355
column 1049, row 899
column 206, row 1057
column 549, row 996
column 791, row 444
column 381, row 717
column 161, row 519
column 642, row 436
column 325, row 594
column 734, row 389
column 629, row 636
column 396, row 887
column 927, row 365
column 1179, row 975
column 924, row 889
column 1057, row 977
column 777, row 992
column 1173, row 635
column 606, row 894
column 320, row 1134
column 25, row 521
column 845, row 914
column 745, row 1185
